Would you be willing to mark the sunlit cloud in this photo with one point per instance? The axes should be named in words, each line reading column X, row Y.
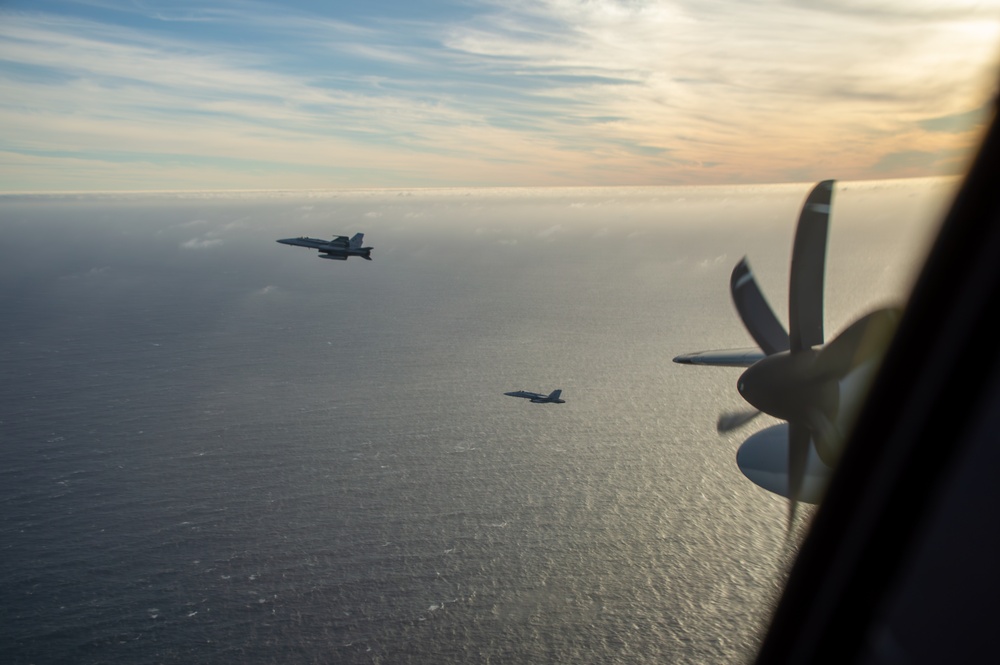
column 714, row 261
column 559, row 92
column 547, row 234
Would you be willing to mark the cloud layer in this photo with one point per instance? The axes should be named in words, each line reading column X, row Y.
column 127, row 96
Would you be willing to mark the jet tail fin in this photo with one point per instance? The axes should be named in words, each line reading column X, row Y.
column 555, row 394
column 356, row 240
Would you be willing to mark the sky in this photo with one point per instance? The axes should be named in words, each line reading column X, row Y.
column 135, row 95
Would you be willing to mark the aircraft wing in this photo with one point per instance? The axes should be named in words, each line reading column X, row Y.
column 722, row 358
column 341, row 241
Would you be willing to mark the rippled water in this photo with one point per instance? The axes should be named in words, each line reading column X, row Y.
column 216, row 448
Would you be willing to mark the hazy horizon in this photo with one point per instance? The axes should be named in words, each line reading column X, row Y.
column 442, row 189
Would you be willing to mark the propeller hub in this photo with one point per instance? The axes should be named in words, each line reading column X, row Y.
column 789, row 386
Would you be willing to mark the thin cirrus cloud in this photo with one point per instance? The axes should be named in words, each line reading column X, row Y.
column 122, row 96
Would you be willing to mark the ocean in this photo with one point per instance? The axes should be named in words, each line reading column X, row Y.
column 215, row 448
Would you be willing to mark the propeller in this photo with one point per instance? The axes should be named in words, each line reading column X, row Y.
column 774, row 384
column 814, row 386
column 817, row 389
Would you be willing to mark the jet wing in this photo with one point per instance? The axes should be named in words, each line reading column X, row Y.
column 722, row 358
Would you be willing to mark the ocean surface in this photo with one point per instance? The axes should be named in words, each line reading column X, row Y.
column 218, row 449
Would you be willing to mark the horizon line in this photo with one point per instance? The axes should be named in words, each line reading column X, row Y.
column 444, row 188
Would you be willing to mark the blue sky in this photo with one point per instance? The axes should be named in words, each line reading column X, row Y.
column 115, row 95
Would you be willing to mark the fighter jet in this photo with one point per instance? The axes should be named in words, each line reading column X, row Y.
column 538, row 398
column 337, row 249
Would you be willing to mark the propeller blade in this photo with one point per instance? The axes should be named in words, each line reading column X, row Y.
column 848, row 362
column 757, row 316
column 827, row 438
column 734, row 420
column 763, row 459
column 798, row 456
column 805, row 298
column 866, row 338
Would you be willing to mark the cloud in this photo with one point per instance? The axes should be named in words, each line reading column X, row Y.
column 549, row 232
column 957, row 123
column 201, row 243
column 502, row 93
column 709, row 263
column 91, row 273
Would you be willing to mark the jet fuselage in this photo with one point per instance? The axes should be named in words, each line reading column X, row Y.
column 538, row 398
column 338, row 249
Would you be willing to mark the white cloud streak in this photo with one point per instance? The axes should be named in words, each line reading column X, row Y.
column 201, row 243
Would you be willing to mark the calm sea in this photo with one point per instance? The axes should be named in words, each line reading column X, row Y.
column 215, row 448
